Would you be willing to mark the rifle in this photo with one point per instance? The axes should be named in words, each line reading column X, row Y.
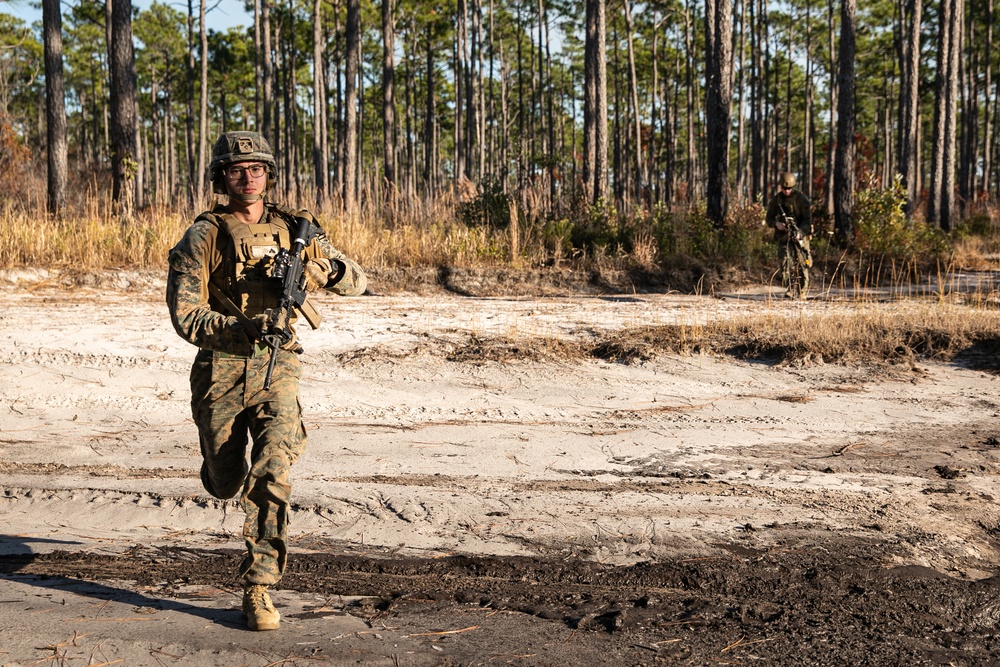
column 792, row 230
column 791, row 227
column 289, row 269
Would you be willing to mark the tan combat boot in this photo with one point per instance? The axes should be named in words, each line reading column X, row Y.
column 257, row 607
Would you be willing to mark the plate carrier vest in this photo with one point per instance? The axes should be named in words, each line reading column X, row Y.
column 248, row 253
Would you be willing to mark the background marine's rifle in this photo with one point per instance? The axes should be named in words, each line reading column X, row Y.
column 793, row 235
column 289, row 269
column 792, row 228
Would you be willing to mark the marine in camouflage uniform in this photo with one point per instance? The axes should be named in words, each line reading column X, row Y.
column 789, row 202
column 219, row 292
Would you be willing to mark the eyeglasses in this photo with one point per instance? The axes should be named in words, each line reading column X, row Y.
column 236, row 173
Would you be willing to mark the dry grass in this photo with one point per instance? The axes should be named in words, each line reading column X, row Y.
column 429, row 234
column 874, row 336
column 89, row 242
column 974, row 253
column 96, row 240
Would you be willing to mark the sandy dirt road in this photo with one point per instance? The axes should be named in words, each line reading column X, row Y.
column 420, row 454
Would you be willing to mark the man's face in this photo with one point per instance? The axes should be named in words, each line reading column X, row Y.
column 246, row 180
column 786, row 190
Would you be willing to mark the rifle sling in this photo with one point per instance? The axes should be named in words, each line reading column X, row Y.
column 308, row 310
column 235, row 310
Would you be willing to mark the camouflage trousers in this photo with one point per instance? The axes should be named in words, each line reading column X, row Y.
column 800, row 260
column 231, row 410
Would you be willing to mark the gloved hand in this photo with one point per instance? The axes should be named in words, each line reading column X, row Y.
column 260, row 324
column 236, row 335
column 315, row 275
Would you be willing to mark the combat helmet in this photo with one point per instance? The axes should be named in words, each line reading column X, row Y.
column 787, row 179
column 242, row 146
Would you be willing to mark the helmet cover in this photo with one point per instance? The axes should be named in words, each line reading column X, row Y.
column 242, row 146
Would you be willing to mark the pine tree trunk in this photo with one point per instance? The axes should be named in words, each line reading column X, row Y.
column 189, row 137
column 430, row 131
column 85, row 142
column 844, row 173
column 601, row 129
column 267, row 75
column 471, row 99
column 987, row 84
column 758, row 90
column 621, row 176
column 590, row 99
column 521, row 113
column 460, row 79
column 490, row 125
column 279, row 115
column 831, row 155
column 257, row 65
column 995, row 151
column 159, row 154
column 389, row 99
column 203, row 115
column 411, row 115
column 123, row 121
column 949, row 209
column 640, row 175
column 55, row 107
column 741, row 158
column 324, row 118
column 653, row 168
column 140, row 156
column 480, row 119
column 670, row 137
column 968, row 94
column 808, row 131
column 941, row 202
column 504, row 118
column 170, row 139
column 718, row 106
column 909, row 100
column 690, row 89
column 550, row 122
column 787, row 131
column 352, row 56
column 337, row 114
column 292, row 115
column 320, row 168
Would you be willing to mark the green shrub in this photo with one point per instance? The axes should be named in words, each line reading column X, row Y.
column 687, row 233
column 556, row 236
column 664, row 229
column 599, row 229
column 745, row 240
column 883, row 229
column 980, row 224
column 490, row 208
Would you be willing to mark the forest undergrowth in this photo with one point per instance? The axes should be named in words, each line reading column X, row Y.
column 512, row 249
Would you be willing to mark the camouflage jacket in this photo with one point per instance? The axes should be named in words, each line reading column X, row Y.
column 796, row 205
column 200, row 258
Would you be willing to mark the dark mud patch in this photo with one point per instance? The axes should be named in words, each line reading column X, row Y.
column 830, row 603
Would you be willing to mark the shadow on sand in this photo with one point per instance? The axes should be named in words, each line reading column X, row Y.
column 17, row 556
